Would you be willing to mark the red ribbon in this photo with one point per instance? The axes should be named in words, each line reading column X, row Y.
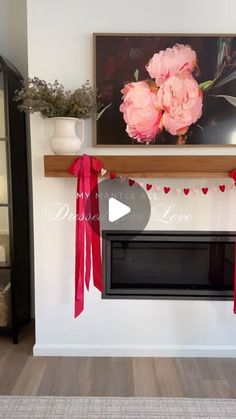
column 235, row 278
column 232, row 174
column 86, row 169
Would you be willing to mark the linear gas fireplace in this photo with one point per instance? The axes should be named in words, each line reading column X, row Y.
column 157, row 264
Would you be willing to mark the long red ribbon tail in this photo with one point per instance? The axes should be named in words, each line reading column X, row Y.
column 96, row 244
column 87, row 221
column 79, row 246
column 87, row 229
column 235, row 278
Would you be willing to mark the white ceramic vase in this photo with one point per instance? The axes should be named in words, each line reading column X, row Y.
column 68, row 135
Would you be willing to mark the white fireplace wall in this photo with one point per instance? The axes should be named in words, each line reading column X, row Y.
column 60, row 46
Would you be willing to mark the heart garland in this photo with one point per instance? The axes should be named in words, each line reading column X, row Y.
column 157, row 188
column 185, row 190
column 222, row 188
column 113, row 175
column 166, row 189
column 103, row 171
column 205, row 190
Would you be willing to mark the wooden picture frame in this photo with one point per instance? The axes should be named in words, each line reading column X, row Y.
column 116, row 58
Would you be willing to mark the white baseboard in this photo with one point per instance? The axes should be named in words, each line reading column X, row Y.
column 135, row 351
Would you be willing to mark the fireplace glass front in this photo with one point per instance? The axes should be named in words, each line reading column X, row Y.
column 168, row 265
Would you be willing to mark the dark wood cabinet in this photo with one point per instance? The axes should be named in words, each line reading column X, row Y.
column 15, row 252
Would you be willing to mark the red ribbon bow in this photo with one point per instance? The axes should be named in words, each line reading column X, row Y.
column 86, row 169
column 232, row 174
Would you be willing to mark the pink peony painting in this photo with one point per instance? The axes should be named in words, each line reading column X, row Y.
column 141, row 113
column 166, row 90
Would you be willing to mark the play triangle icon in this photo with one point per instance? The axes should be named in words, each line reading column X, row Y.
column 116, row 210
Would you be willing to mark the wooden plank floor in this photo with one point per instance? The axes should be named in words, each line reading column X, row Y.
column 23, row 374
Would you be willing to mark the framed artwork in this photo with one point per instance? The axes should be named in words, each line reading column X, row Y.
column 159, row 89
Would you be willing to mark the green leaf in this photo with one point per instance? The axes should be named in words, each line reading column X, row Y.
column 152, row 85
column 136, row 74
column 223, row 54
column 230, row 99
column 102, row 111
column 199, row 126
column 206, row 85
column 226, row 79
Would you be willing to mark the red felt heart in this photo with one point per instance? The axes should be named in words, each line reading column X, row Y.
column 186, row 191
column 131, row 182
column 222, row 188
column 148, row 186
column 113, row 175
column 205, row 190
column 166, row 189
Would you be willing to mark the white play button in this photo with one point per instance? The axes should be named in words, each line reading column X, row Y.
column 122, row 206
column 117, row 209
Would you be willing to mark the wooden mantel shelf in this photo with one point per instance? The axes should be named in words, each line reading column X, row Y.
column 151, row 166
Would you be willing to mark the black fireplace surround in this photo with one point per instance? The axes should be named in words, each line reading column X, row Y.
column 168, row 265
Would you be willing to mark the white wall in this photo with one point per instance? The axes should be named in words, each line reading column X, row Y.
column 13, row 33
column 60, row 46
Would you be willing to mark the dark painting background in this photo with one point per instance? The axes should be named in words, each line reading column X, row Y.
column 118, row 56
